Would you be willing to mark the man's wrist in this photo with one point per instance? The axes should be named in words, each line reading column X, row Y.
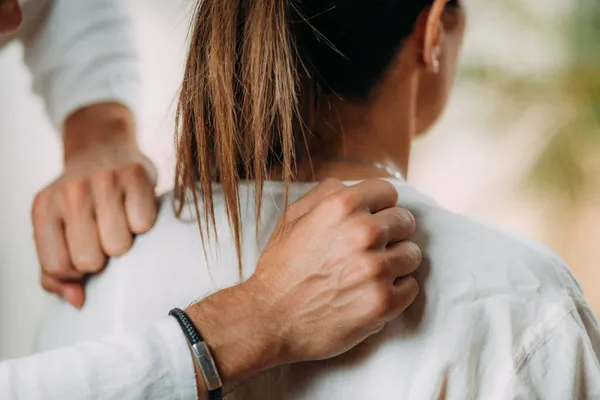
column 96, row 127
column 236, row 333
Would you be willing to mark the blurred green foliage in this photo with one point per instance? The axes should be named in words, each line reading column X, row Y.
column 569, row 94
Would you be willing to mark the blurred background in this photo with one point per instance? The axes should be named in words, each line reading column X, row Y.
column 519, row 146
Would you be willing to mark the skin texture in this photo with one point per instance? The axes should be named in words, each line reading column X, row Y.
column 93, row 210
column 334, row 248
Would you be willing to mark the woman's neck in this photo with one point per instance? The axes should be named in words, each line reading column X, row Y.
column 379, row 134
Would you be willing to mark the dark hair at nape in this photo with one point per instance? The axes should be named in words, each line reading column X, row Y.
column 347, row 45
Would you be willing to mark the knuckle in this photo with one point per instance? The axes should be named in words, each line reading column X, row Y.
column 42, row 203
column 144, row 225
column 88, row 264
column 52, row 268
column 134, row 171
column 345, row 203
column 368, row 233
column 332, row 184
column 144, row 219
column 118, row 248
column 75, row 192
column 55, row 267
column 381, row 303
column 105, row 180
column 371, row 268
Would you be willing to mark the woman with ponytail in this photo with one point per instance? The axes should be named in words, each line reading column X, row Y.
column 281, row 94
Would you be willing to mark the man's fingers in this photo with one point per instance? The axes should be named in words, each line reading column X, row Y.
column 313, row 198
column 140, row 201
column 375, row 194
column 113, row 229
column 405, row 291
column 50, row 284
column 402, row 259
column 49, row 236
column 72, row 292
column 83, row 239
column 397, row 223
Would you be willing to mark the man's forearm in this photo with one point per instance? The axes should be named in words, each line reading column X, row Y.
column 242, row 342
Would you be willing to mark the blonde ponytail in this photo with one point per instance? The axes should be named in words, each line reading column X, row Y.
column 238, row 106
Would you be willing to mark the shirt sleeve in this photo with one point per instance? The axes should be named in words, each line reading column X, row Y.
column 565, row 365
column 80, row 53
column 153, row 364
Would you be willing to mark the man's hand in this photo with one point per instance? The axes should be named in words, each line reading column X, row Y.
column 104, row 196
column 338, row 269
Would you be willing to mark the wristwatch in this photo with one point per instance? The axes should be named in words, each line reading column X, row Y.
column 201, row 353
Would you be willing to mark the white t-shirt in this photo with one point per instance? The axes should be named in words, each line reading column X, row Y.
column 498, row 317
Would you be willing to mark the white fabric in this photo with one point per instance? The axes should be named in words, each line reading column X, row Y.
column 154, row 364
column 499, row 317
column 80, row 52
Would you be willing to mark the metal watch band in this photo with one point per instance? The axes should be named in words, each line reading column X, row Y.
column 202, row 354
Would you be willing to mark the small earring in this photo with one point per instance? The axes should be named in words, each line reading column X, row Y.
column 436, row 66
column 437, row 52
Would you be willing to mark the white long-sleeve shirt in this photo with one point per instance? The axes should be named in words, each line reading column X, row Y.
column 153, row 364
column 80, row 52
column 498, row 318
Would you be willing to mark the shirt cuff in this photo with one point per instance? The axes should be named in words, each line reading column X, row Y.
column 182, row 365
column 114, row 86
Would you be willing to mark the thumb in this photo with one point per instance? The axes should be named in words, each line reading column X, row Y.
column 73, row 293
column 312, row 199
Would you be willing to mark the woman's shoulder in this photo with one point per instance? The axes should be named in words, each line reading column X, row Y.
column 460, row 249
column 472, row 267
column 172, row 261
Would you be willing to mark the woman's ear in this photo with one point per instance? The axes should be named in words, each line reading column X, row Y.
column 11, row 16
column 430, row 36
